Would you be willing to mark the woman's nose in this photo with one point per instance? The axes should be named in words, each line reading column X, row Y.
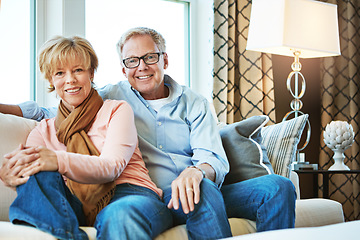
column 70, row 78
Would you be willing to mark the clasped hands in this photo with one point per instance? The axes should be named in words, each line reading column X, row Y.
column 23, row 162
column 186, row 190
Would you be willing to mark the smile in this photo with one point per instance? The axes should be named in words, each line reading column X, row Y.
column 144, row 77
column 73, row 90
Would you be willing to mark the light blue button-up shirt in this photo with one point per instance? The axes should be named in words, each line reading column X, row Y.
column 182, row 132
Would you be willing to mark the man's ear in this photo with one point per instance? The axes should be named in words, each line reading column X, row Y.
column 123, row 70
column 166, row 61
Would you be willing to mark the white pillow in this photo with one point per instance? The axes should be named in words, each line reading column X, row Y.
column 281, row 141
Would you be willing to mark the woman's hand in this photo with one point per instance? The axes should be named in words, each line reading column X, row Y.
column 14, row 163
column 46, row 161
column 23, row 162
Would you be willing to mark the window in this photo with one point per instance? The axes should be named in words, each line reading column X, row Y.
column 15, row 49
column 187, row 26
column 106, row 21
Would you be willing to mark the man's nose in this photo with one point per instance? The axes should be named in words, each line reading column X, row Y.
column 142, row 64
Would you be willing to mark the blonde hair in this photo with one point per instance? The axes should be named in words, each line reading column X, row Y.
column 156, row 37
column 59, row 50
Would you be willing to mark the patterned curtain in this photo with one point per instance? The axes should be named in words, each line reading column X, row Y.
column 243, row 80
column 340, row 78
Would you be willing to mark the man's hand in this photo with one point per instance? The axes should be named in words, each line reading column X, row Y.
column 186, row 188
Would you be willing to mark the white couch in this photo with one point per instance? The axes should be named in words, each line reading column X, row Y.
column 14, row 130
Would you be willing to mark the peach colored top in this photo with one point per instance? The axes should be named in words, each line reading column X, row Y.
column 114, row 135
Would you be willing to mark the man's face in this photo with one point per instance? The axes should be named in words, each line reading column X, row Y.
column 147, row 79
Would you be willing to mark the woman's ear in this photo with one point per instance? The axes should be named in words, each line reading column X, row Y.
column 51, row 85
column 92, row 74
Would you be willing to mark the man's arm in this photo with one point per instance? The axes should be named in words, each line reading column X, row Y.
column 29, row 109
column 11, row 109
column 208, row 156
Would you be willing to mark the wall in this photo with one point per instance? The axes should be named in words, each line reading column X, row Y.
column 311, row 105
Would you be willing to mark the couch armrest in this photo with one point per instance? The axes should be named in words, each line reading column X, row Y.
column 294, row 177
column 318, row 212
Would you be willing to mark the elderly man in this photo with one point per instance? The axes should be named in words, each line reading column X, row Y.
column 182, row 149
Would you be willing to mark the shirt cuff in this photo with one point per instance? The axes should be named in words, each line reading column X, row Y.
column 31, row 110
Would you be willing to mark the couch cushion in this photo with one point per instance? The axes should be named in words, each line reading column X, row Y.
column 13, row 130
column 9, row 231
column 281, row 142
column 247, row 157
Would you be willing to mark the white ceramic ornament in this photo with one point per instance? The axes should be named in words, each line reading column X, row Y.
column 338, row 136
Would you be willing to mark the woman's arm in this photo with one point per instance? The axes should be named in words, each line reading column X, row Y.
column 115, row 136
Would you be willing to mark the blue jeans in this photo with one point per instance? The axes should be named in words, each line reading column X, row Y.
column 269, row 200
column 46, row 203
column 209, row 219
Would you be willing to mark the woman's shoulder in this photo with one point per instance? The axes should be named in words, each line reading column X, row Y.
column 112, row 106
column 46, row 123
column 110, row 103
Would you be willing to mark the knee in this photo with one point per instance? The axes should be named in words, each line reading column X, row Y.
column 211, row 197
column 282, row 186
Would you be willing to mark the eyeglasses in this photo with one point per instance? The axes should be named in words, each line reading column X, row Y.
column 149, row 59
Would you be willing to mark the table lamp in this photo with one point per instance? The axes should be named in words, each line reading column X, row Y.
column 295, row 28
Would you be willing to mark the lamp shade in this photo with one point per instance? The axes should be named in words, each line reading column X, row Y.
column 282, row 26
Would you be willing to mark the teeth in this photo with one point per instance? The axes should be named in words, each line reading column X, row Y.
column 143, row 77
column 73, row 90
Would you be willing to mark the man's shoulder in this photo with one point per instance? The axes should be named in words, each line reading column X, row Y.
column 115, row 91
column 192, row 96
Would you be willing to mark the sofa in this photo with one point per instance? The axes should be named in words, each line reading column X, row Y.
column 309, row 212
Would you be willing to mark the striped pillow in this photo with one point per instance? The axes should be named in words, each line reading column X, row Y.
column 281, row 142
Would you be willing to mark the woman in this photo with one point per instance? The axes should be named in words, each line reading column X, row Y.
column 88, row 152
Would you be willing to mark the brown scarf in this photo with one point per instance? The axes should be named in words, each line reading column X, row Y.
column 72, row 128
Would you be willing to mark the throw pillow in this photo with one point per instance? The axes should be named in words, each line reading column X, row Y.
column 242, row 143
column 281, row 141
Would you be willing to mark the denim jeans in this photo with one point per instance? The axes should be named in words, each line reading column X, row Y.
column 269, row 200
column 46, row 203
column 209, row 219
column 134, row 213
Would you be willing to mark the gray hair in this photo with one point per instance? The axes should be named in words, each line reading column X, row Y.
column 157, row 38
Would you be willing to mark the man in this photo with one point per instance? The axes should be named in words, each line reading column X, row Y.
column 182, row 149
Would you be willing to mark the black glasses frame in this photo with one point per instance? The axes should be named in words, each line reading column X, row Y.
column 143, row 58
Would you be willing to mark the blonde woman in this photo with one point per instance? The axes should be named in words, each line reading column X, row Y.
column 83, row 167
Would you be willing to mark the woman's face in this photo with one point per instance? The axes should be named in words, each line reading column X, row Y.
column 72, row 83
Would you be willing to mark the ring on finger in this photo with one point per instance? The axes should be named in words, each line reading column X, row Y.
column 189, row 189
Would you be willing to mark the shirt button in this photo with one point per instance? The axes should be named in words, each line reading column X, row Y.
column 159, row 123
column 160, row 146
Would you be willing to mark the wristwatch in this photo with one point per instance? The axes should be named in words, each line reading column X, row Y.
column 198, row 168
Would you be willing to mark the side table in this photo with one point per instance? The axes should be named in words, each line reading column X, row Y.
column 326, row 178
